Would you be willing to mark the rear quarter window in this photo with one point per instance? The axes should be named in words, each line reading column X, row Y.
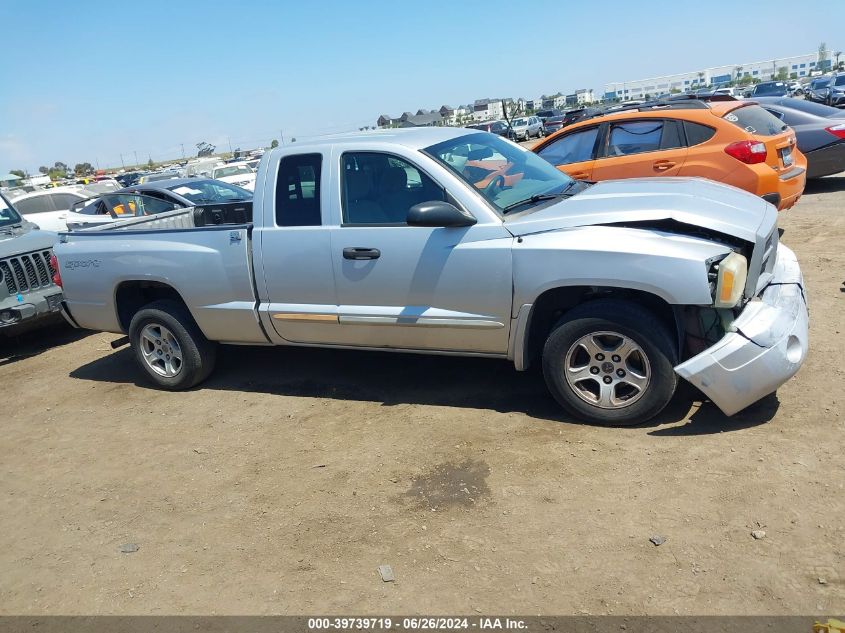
column 755, row 120
column 697, row 133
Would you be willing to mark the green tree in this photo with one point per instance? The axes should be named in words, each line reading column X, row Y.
column 783, row 73
column 150, row 163
column 83, row 169
column 18, row 172
column 793, row 75
column 274, row 144
column 44, row 170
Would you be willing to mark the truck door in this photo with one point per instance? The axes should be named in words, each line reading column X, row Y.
column 414, row 287
column 293, row 246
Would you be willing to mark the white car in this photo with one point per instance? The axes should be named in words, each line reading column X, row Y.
column 237, row 173
column 527, row 126
column 49, row 208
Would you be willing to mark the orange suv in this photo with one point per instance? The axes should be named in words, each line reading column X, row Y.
column 734, row 142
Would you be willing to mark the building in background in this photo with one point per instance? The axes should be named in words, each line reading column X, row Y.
column 785, row 67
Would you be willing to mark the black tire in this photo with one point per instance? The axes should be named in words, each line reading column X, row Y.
column 198, row 354
column 630, row 320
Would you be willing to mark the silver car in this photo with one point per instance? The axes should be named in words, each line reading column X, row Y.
column 527, row 127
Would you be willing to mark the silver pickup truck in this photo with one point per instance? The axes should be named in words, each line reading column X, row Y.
column 452, row 241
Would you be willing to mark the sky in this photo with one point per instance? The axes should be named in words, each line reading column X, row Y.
column 103, row 81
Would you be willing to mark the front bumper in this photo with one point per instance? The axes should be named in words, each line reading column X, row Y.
column 766, row 346
column 20, row 312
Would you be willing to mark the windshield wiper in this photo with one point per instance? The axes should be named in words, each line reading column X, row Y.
column 539, row 197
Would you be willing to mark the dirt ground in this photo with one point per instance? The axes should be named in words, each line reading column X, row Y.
column 281, row 484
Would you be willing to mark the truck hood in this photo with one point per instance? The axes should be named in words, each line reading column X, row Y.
column 692, row 201
column 26, row 240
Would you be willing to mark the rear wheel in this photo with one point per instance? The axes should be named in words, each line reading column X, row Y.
column 610, row 362
column 169, row 346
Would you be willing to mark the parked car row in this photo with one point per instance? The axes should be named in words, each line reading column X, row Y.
column 829, row 90
column 62, row 209
column 730, row 141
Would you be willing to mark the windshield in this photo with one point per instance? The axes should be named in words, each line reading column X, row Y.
column 819, row 83
column 234, row 170
column 8, row 215
column 161, row 176
column 517, row 122
column 504, row 173
column 755, row 120
column 840, row 81
column 211, row 191
column 770, row 89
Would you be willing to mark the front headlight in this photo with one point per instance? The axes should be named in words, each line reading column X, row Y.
column 732, row 273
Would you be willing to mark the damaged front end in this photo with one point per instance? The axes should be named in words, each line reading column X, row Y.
column 760, row 349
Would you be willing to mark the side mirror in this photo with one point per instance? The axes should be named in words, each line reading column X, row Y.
column 438, row 213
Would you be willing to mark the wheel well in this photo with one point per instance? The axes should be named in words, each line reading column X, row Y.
column 554, row 303
column 131, row 296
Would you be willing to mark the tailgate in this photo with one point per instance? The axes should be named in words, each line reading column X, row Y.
column 766, row 128
column 781, row 150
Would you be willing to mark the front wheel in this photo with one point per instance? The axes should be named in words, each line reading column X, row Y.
column 610, row 362
column 169, row 346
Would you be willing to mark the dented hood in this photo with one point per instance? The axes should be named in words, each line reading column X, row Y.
column 24, row 240
column 693, row 201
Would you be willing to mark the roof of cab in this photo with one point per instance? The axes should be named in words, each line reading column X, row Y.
column 413, row 137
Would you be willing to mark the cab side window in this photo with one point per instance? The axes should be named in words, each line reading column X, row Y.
column 36, row 204
column 380, row 188
column 572, row 148
column 298, row 190
column 64, row 201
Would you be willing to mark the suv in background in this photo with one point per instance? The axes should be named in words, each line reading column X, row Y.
column 817, row 89
column 525, row 127
column 545, row 114
column 28, row 294
column 735, row 142
column 836, row 91
column 495, row 127
column 771, row 89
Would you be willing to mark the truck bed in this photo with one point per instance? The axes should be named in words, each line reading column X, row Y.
column 202, row 253
column 230, row 213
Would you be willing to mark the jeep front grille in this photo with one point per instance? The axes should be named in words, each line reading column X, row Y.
column 30, row 271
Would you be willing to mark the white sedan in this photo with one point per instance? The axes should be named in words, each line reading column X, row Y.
column 237, row 173
column 49, row 208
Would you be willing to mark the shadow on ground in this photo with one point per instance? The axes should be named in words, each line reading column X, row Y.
column 34, row 342
column 830, row 184
column 392, row 378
